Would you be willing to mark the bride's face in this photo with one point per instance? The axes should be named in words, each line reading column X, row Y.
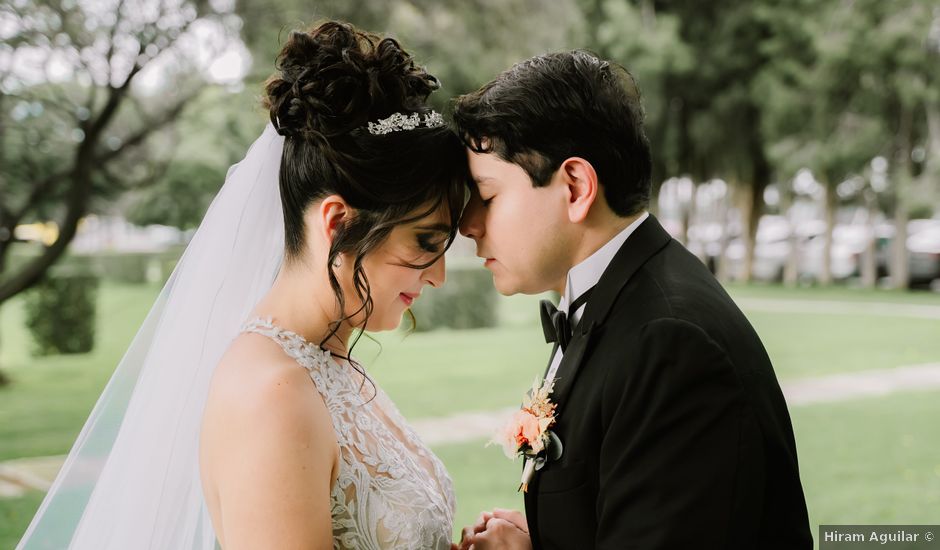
column 394, row 285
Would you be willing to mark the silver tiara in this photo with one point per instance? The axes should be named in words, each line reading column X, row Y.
column 400, row 121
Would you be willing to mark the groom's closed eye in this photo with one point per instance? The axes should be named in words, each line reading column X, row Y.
column 481, row 183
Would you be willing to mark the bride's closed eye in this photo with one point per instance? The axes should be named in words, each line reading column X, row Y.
column 431, row 243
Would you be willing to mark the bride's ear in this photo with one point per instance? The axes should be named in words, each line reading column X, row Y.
column 330, row 214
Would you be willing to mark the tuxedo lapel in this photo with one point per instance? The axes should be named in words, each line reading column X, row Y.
column 551, row 358
column 571, row 362
column 648, row 239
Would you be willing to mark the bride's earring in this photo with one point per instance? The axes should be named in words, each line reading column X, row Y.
column 337, row 262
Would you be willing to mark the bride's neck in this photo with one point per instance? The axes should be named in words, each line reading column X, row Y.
column 303, row 302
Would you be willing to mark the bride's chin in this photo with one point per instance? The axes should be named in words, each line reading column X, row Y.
column 381, row 322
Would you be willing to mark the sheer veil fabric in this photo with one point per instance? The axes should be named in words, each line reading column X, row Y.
column 132, row 479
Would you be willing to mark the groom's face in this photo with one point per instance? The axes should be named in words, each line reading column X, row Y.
column 520, row 230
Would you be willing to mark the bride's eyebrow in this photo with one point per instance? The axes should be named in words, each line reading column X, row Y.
column 438, row 227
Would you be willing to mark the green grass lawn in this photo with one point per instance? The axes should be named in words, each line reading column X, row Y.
column 866, row 461
column 871, row 461
column 839, row 293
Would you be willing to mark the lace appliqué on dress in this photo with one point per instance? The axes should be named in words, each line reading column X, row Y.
column 392, row 491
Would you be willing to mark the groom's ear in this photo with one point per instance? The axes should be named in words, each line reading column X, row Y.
column 580, row 180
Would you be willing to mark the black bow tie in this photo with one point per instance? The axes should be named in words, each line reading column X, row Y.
column 555, row 323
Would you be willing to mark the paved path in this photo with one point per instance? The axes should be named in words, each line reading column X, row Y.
column 836, row 307
column 862, row 384
column 465, row 427
column 18, row 476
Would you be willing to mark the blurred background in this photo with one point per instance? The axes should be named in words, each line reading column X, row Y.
column 796, row 152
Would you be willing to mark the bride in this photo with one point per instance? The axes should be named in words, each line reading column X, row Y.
column 239, row 417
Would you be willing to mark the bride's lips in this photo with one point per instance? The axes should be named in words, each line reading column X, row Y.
column 488, row 261
column 408, row 298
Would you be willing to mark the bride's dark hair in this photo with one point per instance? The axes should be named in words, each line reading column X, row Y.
column 331, row 81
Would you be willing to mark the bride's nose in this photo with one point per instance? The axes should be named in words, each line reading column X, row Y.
column 435, row 274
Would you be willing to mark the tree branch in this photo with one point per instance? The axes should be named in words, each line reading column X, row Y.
column 147, row 129
column 76, row 206
column 43, row 186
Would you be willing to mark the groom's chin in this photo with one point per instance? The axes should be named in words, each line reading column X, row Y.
column 504, row 286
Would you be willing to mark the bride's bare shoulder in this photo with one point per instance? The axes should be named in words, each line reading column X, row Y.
column 266, row 431
column 255, row 355
column 255, row 376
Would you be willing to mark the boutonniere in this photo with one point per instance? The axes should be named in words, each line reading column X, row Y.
column 528, row 433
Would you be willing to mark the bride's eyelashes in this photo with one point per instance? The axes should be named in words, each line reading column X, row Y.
column 486, row 202
column 427, row 243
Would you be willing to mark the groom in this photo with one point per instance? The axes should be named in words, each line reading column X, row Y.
column 675, row 432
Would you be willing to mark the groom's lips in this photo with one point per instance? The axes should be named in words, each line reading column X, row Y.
column 488, row 261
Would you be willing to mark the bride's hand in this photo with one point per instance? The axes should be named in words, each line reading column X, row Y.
column 501, row 529
column 501, row 535
column 466, row 536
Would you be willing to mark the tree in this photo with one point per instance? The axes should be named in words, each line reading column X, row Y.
column 700, row 65
column 68, row 125
column 83, row 87
column 648, row 44
column 811, row 119
column 218, row 127
column 463, row 42
column 868, row 94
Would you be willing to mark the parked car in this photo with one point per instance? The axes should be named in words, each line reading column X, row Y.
column 773, row 244
column 923, row 246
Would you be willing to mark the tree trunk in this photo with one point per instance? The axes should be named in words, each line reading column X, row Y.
column 653, row 207
column 831, row 205
column 759, row 178
column 752, row 207
column 791, row 269
column 745, row 206
column 4, row 379
column 933, row 131
column 869, row 267
column 75, row 208
column 688, row 214
column 900, row 270
column 724, row 214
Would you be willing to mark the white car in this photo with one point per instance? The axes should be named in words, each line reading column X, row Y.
column 923, row 244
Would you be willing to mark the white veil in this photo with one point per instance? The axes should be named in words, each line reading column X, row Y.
column 131, row 481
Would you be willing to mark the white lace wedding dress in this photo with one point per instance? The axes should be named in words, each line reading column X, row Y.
column 392, row 492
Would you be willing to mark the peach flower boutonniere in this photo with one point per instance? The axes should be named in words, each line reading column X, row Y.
column 528, row 432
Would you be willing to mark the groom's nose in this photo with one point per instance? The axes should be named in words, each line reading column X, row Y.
column 471, row 223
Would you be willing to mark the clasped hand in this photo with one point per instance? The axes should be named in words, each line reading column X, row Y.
column 496, row 530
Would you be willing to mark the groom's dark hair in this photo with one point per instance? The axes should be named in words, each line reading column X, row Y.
column 549, row 108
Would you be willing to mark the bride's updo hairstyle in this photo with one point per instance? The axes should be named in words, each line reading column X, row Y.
column 331, row 82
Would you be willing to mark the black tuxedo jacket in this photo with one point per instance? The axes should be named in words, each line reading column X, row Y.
column 675, row 431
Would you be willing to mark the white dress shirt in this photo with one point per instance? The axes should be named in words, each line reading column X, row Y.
column 584, row 276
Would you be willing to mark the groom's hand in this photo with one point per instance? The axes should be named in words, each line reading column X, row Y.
column 499, row 530
column 466, row 536
column 514, row 517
